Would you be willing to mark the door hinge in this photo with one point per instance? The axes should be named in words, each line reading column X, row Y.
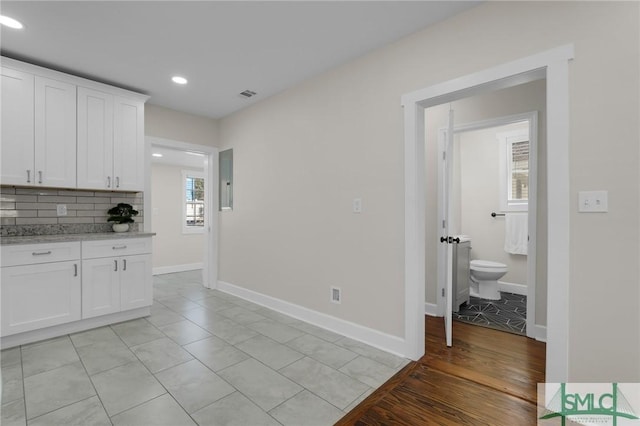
column 443, row 292
column 444, row 223
column 444, row 155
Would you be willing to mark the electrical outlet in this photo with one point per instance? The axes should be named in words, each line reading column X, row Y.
column 336, row 295
column 593, row 202
column 61, row 209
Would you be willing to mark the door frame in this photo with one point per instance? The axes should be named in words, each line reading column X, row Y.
column 532, row 118
column 210, row 254
column 553, row 65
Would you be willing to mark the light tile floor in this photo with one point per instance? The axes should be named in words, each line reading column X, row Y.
column 203, row 357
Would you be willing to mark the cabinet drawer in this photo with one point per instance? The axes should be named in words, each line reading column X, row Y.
column 119, row 247
column 30, row 254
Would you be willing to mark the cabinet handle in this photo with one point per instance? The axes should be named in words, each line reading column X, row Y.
column 108, row 181
column 41, row 253
column 28, row 176
column 124, row 264
column 117, row 181
column 118, row 247
column 39, row 176
column 75, row 269
column 115, row 262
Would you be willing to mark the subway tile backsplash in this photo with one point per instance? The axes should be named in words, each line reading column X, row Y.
column 32, row 211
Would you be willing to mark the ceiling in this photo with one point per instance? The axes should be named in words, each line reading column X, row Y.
column 221, row 47
column 176, row 157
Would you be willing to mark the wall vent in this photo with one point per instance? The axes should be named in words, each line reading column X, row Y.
column 336, row 295
column 247, row 94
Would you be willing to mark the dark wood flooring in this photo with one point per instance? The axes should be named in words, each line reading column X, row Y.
column 487, row 377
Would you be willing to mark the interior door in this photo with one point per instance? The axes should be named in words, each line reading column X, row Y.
column 446, row 238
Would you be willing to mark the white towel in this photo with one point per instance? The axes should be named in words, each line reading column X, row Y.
column 516, row 233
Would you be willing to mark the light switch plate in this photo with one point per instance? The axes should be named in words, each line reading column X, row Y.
column 61, row 209
column 357, row 205
column 593, row 202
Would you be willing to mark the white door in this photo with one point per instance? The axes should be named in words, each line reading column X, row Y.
column 55, row 133
column 135, row 282
column 100, row 287
column 128, row 145
column 445, row 249
column 17, row 127
column 39, row 296
column 95, row 139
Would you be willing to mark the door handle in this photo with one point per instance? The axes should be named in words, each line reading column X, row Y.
column 41, row 253
column 117, row 181
column 124, row 264
column 39, row 176
column 443, row 239
column 28, row 176
column 75, row 269
column 115, row 262
column 454, row 240
column 108, row 181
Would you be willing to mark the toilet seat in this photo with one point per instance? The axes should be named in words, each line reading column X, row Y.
column 488, row 266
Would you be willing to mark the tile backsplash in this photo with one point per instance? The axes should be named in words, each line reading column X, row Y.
column 32, row 211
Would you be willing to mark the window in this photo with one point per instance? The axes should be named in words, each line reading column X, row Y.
column 193, row 206
column 514, row 173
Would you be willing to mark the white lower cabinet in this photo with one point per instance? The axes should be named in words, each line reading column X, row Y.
column 39, row 295
column 115, row 284
column 48, row 285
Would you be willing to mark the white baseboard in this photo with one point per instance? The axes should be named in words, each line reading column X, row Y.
column 512, row 288
column 431, row 309
column 375, row 338
column 176, row 268
column 540, row 333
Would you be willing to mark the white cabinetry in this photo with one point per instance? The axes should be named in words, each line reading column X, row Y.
column 40, row 286
column 43, row 110
column 38, row 130
column 116, row 276
column 110, row 141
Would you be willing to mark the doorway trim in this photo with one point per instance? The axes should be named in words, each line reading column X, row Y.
column 532, row 118
column 210, row 258
column 554, row 66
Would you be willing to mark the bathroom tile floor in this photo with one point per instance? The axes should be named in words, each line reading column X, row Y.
column 202, row 357
column 507, row 314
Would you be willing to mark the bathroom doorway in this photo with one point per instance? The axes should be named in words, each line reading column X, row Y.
column 497, row 126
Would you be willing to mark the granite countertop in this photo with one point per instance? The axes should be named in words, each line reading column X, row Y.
column 60, row 238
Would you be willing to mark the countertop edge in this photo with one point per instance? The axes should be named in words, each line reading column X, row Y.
column 61, row 238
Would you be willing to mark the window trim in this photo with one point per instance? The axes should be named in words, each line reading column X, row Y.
column 190, row 229
column 506, row 140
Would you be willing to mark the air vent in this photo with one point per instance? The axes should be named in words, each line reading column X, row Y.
column 336, row 295
column 248, row 94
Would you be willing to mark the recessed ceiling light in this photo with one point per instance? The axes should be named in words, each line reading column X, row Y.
column 156, row 154
column 179, row 80
column 10, row 22
column 198, row 154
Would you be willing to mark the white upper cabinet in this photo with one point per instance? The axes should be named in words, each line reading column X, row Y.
column 17, row 127
column 63, row 131
column 55, row 133
column 128, row 144
column 38, row 131
column 95, row 139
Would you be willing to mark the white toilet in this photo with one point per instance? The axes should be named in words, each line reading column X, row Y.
column 484, row 278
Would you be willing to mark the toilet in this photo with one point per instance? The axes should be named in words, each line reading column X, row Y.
column 484, row 278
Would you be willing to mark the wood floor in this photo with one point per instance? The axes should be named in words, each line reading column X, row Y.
column 488, row 377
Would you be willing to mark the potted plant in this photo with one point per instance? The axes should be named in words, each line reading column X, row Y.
column 121, row 216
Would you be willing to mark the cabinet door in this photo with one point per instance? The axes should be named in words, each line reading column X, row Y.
column 55, row 133
column 128, row 145
column 100, row 286
column 95, row 139
column 136, row 282
column 38, row 296
column 17, row 127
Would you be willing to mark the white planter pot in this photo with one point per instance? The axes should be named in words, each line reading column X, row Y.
column 120, row 227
